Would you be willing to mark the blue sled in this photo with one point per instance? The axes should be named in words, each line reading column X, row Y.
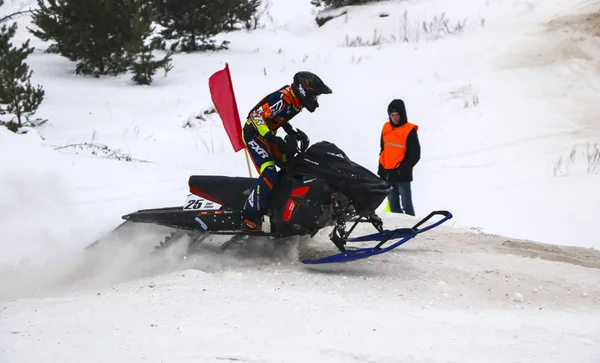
column 385, row 236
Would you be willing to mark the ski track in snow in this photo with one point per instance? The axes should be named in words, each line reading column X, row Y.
column 466, row 269
column 434, row 292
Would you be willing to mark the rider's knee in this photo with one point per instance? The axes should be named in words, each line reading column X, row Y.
column 270, row 174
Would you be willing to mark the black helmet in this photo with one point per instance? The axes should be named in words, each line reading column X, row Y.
column 308, row 86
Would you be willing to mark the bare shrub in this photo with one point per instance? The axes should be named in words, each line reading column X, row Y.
column 436, row 28
column 593, row 158
column 587, row 155
column 411, row 32
column 467, row 95
column 98, row 150
column 358, row 41
column 564, row 164
column 440, row 27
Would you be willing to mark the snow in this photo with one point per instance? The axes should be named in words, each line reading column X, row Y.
column 507, row 113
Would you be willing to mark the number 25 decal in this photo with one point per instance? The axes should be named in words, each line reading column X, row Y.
column 193, row 204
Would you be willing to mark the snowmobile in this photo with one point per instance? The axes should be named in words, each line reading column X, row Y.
column 319, row 186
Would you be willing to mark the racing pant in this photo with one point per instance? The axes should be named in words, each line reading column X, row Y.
column 261, row 154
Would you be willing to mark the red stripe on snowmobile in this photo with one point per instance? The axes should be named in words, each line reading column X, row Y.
column 290, row 208
column 300, row 192
column 200, row 194
column 210, row 213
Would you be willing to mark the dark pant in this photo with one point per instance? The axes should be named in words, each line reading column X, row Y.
column 261, row 156
column 400, row 198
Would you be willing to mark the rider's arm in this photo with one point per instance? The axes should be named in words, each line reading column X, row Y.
column 287, row 127
column 259, row 116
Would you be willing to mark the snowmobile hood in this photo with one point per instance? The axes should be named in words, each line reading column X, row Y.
column 325, row 160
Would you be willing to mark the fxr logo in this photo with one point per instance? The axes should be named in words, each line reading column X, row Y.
column 301, row 89
column 259, row 150
column 277, row 108
column 251, row 199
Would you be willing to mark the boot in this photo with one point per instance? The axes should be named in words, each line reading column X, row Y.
column 251, row 223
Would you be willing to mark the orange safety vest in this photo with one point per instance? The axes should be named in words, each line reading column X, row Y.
column 394, row 144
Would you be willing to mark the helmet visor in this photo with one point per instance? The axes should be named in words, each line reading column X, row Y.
column 311, row 103
column 312, row 99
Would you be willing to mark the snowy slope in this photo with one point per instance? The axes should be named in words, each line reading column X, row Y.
column 449, row 297
column 498, row 104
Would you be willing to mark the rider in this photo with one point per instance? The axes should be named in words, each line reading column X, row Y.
column 264, row 147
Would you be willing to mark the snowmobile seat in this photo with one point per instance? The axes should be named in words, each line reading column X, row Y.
column 231, row 192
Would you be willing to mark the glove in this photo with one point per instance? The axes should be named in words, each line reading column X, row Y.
column 303, row 138
column 381, row 172
column 289, row 129
column 403, row 171
column 280, row 144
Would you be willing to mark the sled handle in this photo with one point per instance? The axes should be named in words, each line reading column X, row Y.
column 447, row 215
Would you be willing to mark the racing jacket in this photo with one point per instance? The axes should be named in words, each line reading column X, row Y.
column 272, row 112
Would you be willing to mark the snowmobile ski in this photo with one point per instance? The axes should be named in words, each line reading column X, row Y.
column 405, row 234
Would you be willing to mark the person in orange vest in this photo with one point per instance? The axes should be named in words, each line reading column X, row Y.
column 400, row 152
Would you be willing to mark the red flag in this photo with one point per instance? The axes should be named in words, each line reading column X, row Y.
column 221, row 92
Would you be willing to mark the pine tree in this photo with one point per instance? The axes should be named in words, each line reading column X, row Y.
column 191, row 24
column 6, row 17
column 17, row 96
column 102, row 36
column 144, row 66
column 247, row 13
column 241, row 12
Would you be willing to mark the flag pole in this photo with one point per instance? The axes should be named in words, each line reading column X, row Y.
column 248, row 162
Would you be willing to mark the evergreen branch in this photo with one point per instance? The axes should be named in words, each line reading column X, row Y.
column 10, row 16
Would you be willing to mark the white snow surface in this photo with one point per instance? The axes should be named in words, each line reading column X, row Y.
column 507, row 110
